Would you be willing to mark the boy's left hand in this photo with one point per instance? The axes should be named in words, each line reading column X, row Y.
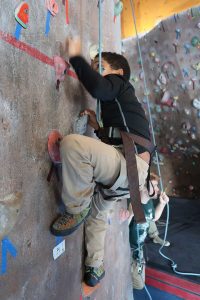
column 92, row 118
column 164, row 199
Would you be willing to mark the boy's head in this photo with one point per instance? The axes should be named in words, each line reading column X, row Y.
column 112, row 63
column 153, row 191
column 153, row 187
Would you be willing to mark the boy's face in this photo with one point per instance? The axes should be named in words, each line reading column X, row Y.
column 105, row 67
column 154, row 188
column 145, row 194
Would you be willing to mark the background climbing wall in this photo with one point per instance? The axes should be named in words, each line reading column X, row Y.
column 172, row 65
column 30, row 107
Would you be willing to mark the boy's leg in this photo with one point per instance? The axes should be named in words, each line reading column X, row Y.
column 154, row 234
column 84, row 161
column 137, row 235
column 95, row 232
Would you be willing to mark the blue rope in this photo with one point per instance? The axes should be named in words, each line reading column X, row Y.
column 98, row 111
column 173, row 264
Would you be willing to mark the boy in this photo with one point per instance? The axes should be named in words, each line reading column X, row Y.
column 138, row 232
column 95, row 173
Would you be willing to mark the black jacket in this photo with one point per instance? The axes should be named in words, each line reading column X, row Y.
column 119, row 104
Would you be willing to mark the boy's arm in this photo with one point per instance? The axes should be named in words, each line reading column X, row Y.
column 164, row 199
column 104, row 88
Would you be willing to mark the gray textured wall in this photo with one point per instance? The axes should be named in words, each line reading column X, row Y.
column 30, row 107
column 179, row 146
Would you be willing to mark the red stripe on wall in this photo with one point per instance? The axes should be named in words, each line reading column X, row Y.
column 184, row 284
column 171, row 289
column 8, row 38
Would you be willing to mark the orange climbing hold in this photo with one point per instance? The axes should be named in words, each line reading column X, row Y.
column 88, row 290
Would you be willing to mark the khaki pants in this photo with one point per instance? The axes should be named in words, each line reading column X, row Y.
column 88, row 163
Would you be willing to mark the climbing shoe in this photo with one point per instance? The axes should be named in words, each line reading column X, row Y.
column 158, row 240
column 138, row 274
column 93, row 276
column 68, row 223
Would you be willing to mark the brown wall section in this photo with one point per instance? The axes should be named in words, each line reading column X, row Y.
column 30, row 107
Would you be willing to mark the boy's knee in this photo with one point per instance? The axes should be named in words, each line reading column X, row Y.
column 69, row 142
column 73, row 146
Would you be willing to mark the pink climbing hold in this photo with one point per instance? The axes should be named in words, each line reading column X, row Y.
column 61, row 68
column 52, row 6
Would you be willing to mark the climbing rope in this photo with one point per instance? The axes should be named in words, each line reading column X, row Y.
column 98, row 110
column 173, row 264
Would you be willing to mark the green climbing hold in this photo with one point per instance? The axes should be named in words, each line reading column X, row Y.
column 118, row 8
column 195, row 41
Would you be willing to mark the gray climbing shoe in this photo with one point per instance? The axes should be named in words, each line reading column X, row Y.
column 158, row 240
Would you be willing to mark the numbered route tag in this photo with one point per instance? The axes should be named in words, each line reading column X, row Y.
column 58, row 250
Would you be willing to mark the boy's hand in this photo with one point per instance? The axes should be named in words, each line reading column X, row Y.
column 164, row 199
column 73, row 46
column 92, row 118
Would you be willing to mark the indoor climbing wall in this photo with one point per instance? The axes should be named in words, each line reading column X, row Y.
column 171, row 54
column 32, row 103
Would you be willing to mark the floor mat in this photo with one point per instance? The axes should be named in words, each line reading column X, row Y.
column 184, row 235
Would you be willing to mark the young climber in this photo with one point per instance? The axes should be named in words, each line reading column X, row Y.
column 138, row 232
column 95, row 172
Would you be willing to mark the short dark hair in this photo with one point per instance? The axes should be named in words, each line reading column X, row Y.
column 117, row 61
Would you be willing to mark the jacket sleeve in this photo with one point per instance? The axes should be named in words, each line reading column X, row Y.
column 103, row 88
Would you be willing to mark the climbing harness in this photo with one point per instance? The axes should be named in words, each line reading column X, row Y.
column 173, row 264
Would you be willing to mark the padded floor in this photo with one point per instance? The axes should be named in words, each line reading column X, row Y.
column 184, row 235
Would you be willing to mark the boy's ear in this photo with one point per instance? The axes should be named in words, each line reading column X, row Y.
column 119, row 71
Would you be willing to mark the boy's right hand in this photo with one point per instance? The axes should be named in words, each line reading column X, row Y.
column 92, row 118
column 73, row 46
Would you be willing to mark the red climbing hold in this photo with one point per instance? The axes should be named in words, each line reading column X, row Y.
column 22, row 14
column 54, row 140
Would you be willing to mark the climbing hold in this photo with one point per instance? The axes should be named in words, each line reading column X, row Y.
column 162, row 78
column 191, row 187
column 52, row 9
column 157, row 59
column 134, row 78
column 141, row 75
column 186, row 125
column 80, row 124
column 22, row 14
column 193, row 129
column 158, row 109
column 52, row 6
column 196, row 103
column 195, row 41
column 87, row 291
column 193, row 136
column 61, row 67
column 54, row 139
column 187, row 48
column 94, row 50
column 178, row 33
column 22, row 18
column 185, row 72
column 166, row 99
column 118, row 9
column 196, row 67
